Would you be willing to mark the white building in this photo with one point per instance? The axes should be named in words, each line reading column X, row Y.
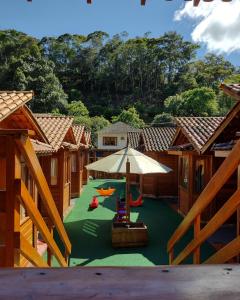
column 114, row 137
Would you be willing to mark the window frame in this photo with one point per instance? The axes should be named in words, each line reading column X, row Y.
column 54, row 171
column 113, row 143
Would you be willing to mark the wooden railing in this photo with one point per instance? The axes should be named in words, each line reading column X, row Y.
column 229, row 165
column 38, row 221
column 26, row 149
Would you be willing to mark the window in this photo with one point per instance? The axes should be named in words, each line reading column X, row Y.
column 184, row 171
column 74, row 162
column 54, row 171
column 109, row 141
column 67, row 170
column 199, row 175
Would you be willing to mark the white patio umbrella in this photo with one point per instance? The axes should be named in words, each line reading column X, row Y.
column 128, row 161
column 139, row 163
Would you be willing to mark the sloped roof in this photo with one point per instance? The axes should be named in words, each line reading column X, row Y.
column 133, row 139
column 87, row 137
column 232, row 116
column 78, row 131
column 42, row 148
column 198, row 130
column 12, row 100
column 54, row 127
column 158, row 138
column 118, row 127
column 70, row 146
column 232, row 90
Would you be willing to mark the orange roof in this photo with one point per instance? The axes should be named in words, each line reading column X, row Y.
column 78, row 131
column 54, row 127
column 158, row 138
column 87, row 137
column 12, row 100
column 42, row 148
column 198, row 130
column 232, row 90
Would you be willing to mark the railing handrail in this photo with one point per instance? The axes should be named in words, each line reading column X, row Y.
column 224, row 213
column 223, row 173
column 38, row 220
column 32, row 161
column 31, row 253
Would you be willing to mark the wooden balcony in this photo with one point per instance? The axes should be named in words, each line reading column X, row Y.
column 175, row 283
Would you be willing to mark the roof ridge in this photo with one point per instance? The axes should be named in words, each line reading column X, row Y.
column 49, row 115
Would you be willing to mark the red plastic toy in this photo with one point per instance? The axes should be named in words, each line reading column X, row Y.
column 94, row 203
column 137, row 202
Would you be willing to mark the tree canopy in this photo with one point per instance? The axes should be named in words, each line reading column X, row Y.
column 129, row 116
column 133, row 79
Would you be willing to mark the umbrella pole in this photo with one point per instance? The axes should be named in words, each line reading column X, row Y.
column 128, row 189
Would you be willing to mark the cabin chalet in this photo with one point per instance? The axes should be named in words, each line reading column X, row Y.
column 196, row 165
column 68, row 158
column 154, row 142
column 21, row 181
column 215, row 169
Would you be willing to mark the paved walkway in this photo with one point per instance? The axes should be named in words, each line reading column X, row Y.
column 90, row 231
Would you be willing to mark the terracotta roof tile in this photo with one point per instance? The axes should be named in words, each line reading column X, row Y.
column 118, row 127
column 54, row 127
column 158, row 138
column 133, row 139
column 232, row 90
column 42, row 148
column 12, row 100
column 70, row 146
column 78, row 131
column 87, row 137
column 199, row 129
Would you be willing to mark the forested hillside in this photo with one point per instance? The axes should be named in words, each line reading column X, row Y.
column 115, row 78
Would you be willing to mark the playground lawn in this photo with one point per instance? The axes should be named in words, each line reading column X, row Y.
column 90, row 231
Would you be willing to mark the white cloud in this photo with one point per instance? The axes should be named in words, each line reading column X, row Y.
column 217, row 24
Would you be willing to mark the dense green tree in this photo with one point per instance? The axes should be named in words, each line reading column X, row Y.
column 97, row 123
column 109, row 74
column 129, row 116
column 211, row 71
column 77, row 109
column 163, row 119
column 24, row 68
column 195, row 102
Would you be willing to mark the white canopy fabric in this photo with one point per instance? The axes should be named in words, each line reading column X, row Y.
column 139, row 163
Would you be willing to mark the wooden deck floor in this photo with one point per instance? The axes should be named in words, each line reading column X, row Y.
column 132, row 283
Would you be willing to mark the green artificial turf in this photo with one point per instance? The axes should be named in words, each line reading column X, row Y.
column 90, row 230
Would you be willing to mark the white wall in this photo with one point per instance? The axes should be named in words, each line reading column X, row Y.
column 120, row 143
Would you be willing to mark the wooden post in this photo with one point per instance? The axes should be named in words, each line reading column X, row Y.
column 197, row 229
column 49, row 252
column 171, row 256
column 141, row 184
column 238, row 210
column 12, row 257
column 128, row 189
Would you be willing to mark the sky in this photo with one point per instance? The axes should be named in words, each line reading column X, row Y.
column 215, row 25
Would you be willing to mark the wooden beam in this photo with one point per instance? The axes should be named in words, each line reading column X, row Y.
column 224, row 213
column 231, row 250
column 31, row 253
column 38, row 220
column 17, row 132
column 29, row 154
column 119, row 283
